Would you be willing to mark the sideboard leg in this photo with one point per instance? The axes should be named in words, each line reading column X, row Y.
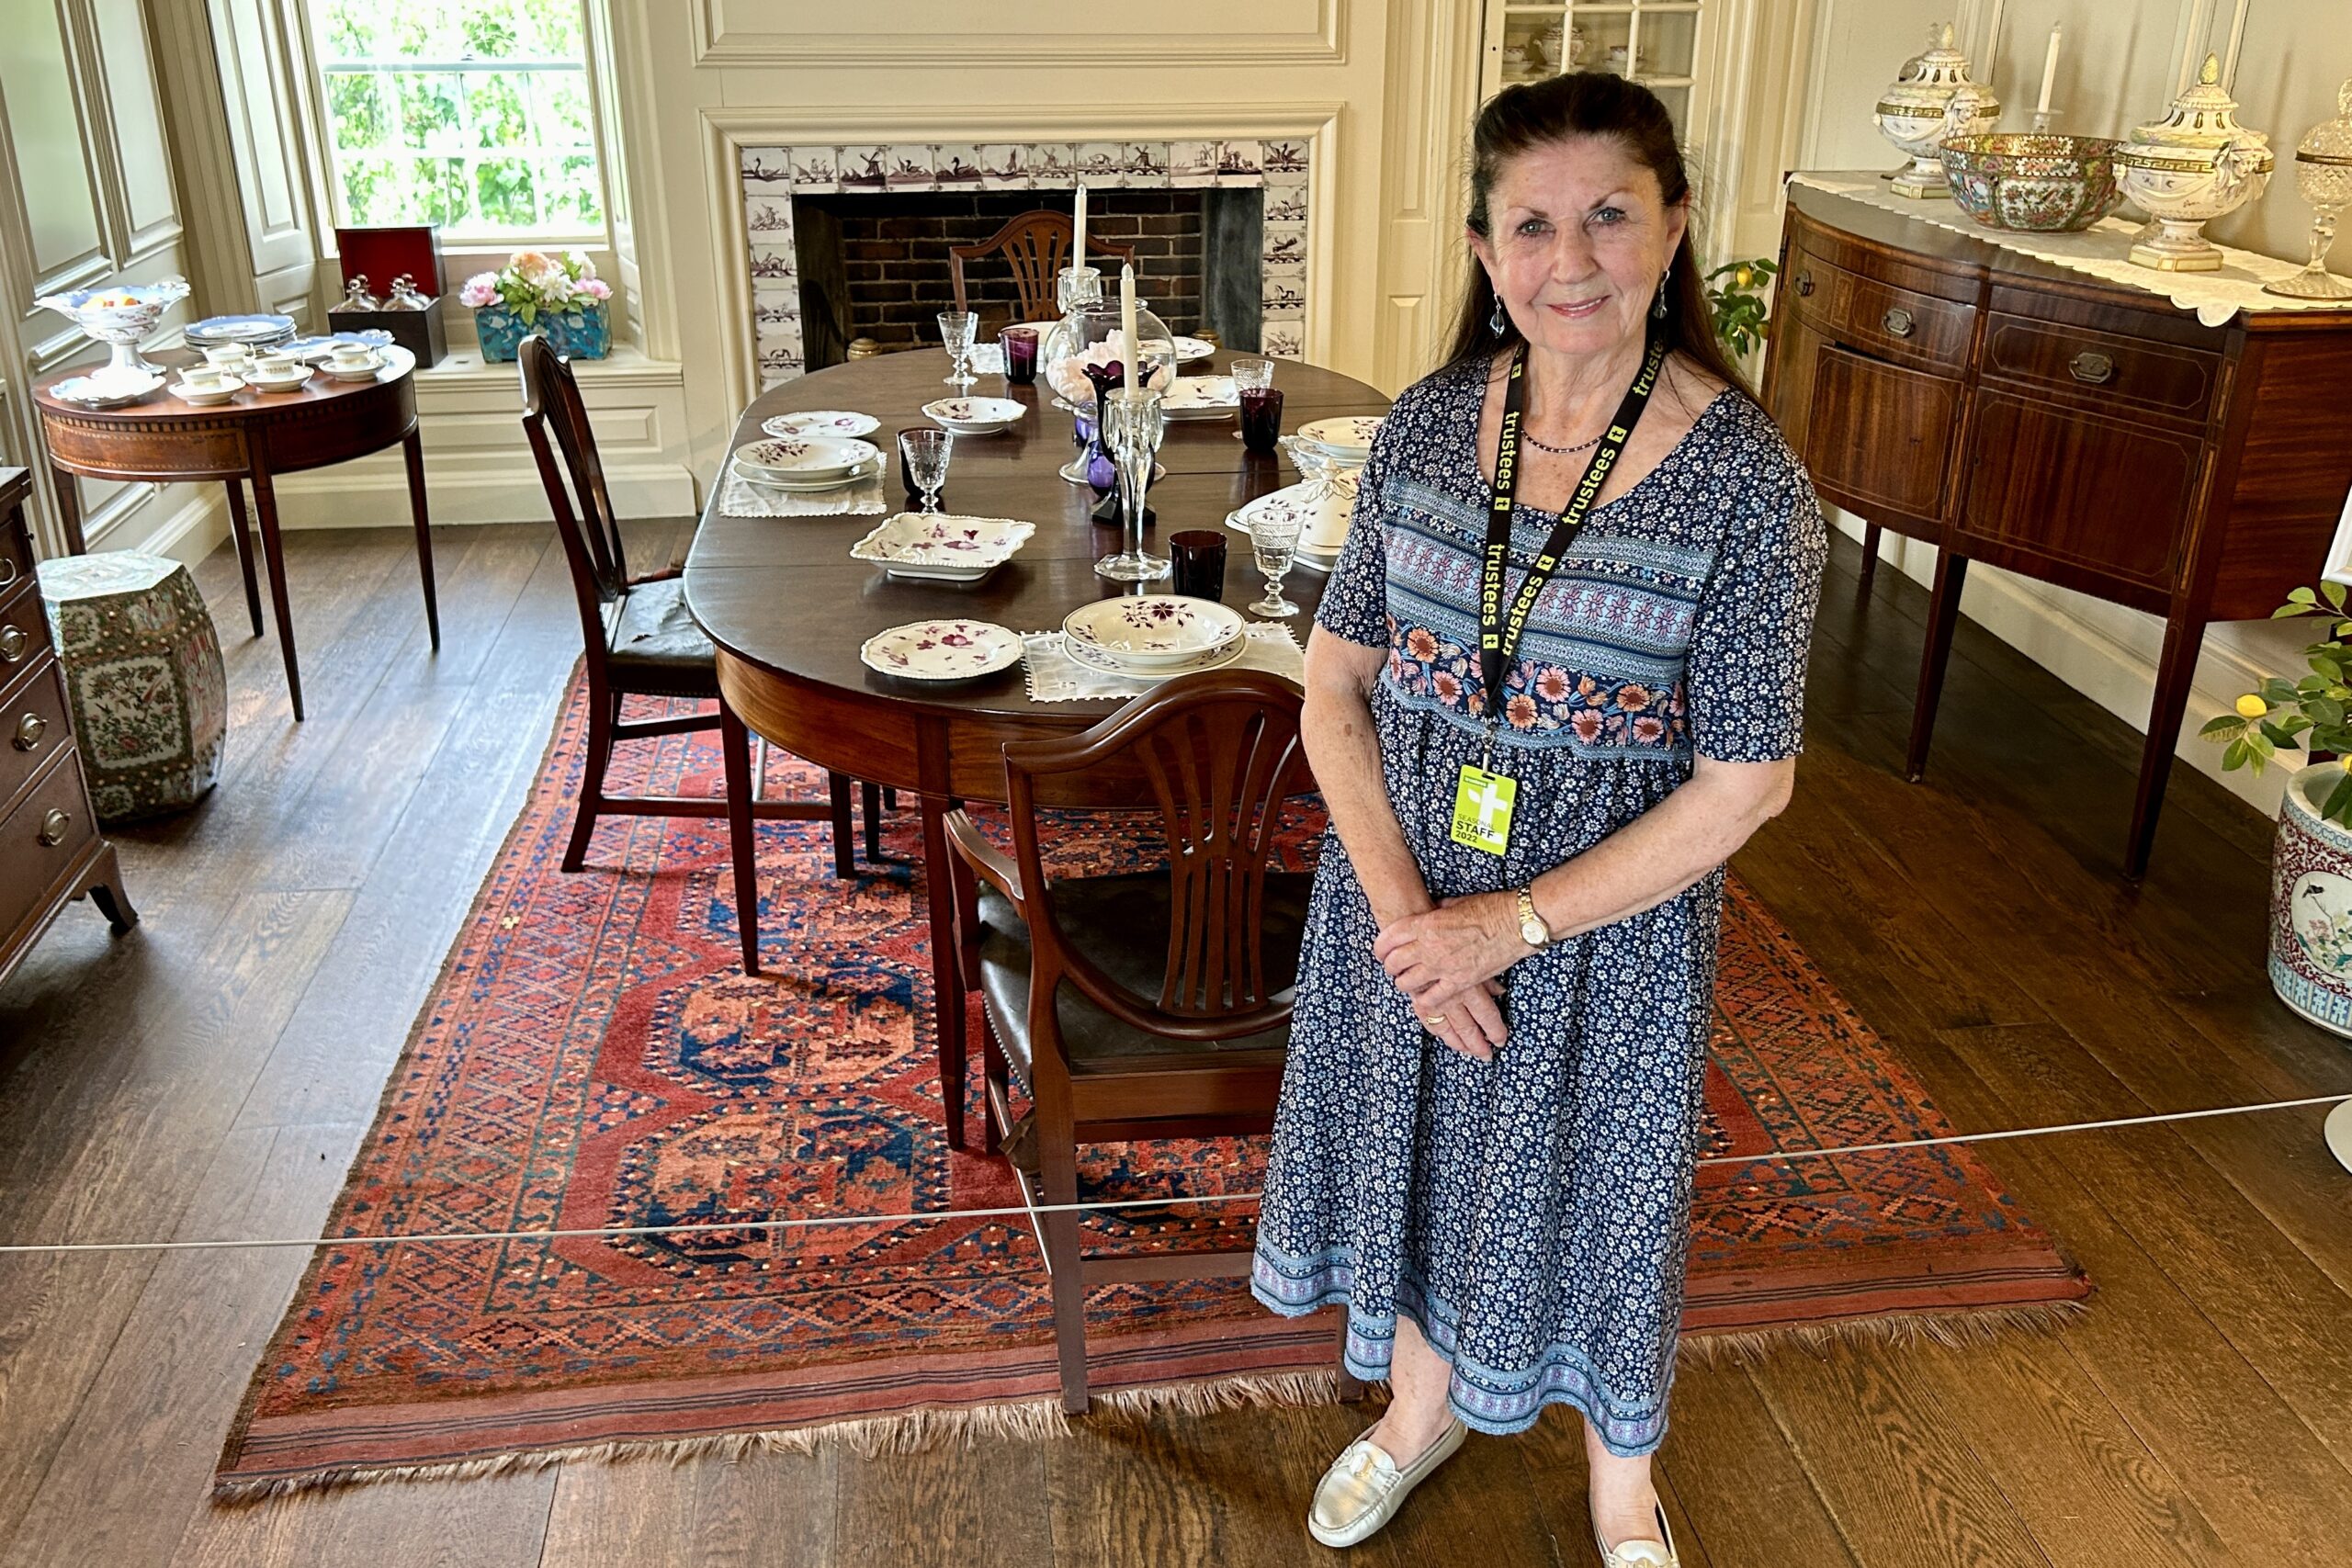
column 104, row 884
column 413, row 449
column 2176, row 667
column 241, row 534
column 1943, row 613
column 1870, row 560
column 69, row 512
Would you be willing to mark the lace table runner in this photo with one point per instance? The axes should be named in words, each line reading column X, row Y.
column 1055, row 677
column 2100, row 250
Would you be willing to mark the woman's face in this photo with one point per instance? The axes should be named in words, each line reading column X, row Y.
column 1580, row 236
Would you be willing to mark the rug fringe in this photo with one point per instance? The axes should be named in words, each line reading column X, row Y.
column 1957, row 1328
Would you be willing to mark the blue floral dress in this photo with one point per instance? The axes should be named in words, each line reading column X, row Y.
column 1531, row 1214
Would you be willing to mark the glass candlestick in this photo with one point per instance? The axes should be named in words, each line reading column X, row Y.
column 2324, row 176
column 1134, row 424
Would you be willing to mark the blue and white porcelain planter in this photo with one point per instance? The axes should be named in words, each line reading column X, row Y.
column 584, row 333
column 2311, row 903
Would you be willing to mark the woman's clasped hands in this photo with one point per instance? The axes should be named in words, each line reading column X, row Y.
column 1445, row 960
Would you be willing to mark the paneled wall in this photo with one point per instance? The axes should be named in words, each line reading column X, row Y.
column 2120, row 64
column 88, row 196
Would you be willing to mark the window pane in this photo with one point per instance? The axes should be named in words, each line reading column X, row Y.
column 495, row 105
column 443, row 193
column 432, row 111
column 550, row 28
column 571, row 198
column 355, row 106
column 562, row 115
column 506, row 193
column 371, row 190
column 347, row 30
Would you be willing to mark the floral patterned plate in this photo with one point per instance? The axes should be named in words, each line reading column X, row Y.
column 973, row 416
column 806, row 457
column 820, row 421
column 1153, row 631
column 1189, row 349
column 765, row 479
column 1095, row 659
column 1201, row 397
column 1348, row 435
column 942, row 651
column 941, row 547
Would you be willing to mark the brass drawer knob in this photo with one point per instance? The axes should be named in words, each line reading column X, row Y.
column 7, row 571
column 53, row 826
column 29, row 730
column 1898, row 321
column 1804, row 283
column 2092, row 366
column 13, row 642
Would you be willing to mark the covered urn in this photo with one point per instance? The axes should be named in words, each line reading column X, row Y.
column 1933, row 100
column 2195, row 164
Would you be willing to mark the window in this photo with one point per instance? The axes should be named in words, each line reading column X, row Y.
column 472, row 113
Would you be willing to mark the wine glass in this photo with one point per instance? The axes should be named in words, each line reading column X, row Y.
column 1250, row 376
column 1132, row 426
column 925, row 453
column 957, row 329
column 1274, row 540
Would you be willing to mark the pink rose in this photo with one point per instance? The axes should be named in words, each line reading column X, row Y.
column 480, row 289
column 595, row 289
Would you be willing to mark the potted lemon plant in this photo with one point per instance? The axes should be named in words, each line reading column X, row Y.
column 2310, row 863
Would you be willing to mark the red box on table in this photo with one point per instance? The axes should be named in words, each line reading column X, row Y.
column 381, row 253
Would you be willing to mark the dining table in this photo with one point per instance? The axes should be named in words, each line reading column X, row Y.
column 787, row 609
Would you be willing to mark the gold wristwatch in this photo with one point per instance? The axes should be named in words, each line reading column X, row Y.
column 1531, row 929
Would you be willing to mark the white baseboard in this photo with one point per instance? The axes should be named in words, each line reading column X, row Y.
column 2108, row 655
column 373, row 493
column 185, row 521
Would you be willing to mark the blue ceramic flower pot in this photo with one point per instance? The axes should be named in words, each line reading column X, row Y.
column 583, row 333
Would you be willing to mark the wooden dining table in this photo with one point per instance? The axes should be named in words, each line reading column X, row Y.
column 787, row 609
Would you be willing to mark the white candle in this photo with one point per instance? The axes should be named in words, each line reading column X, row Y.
column 2049, row 69
column 1078, row 245
column 1128, row 349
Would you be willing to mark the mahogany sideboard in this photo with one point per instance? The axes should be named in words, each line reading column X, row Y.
column 50, row 850
column 2060, row 426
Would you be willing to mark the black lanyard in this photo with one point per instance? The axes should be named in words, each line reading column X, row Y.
column 1499, row 631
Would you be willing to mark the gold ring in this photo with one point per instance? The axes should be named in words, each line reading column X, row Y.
column 1428, row 1023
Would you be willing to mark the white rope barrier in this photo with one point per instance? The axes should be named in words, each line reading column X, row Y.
column 1030, row 1211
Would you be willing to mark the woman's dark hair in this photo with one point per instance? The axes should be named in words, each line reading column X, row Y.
column 1586, row 103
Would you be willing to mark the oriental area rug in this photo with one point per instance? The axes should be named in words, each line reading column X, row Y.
column 592, row 1056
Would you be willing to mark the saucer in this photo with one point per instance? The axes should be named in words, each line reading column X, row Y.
column 761, row 479
column 820, row 421
column 210, row 397
column 973, row 416
column 366, row 372
column 942, row 651
column 294, row 383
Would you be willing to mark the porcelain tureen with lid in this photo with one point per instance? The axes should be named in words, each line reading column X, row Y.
column 1933, row 100
column 2195, row 164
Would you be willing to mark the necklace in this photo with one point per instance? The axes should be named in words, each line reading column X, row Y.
column 1563, row 451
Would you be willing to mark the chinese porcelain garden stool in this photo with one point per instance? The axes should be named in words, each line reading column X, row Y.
column 143, row 678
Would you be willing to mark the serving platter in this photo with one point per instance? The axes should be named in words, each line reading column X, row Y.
column 1201, row 398
column 942, row 547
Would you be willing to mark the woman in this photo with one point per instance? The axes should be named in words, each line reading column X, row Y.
column 1488, row 1124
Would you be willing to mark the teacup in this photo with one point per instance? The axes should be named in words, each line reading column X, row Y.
column 351, row 356
column 229, row 357
column 204, row 377
column 275, row 366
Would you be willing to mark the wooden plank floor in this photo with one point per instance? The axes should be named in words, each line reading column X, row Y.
column 214, row 1073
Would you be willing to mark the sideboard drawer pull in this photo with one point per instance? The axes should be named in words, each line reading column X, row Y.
column 2091, row 366
column 1899, row 322
column 1804, row 283
column 53, row 826
column 7, row 571
column 29, row 730
column 12, row 643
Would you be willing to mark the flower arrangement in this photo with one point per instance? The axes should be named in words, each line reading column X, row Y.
column 1078, row 376
column 2314, row 713
column 559, row 295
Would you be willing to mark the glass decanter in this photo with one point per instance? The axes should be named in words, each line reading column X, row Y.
column 2324, row 176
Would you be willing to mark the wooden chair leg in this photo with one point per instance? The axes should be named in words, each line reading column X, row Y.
column 1058, row 1155
column 603, row 711
column 872, row 795
column 845, row 831
column 742, row 837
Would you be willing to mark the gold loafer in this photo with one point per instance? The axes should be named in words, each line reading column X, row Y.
column 1365, row 1486
column 1659, row 1554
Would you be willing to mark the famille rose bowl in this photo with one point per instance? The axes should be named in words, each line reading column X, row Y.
column 2043, row 185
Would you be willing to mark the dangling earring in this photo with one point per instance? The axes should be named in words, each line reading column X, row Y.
column 1657, row 306
column 1498, row 323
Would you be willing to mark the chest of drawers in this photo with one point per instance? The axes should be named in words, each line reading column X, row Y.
column 50, row 852
column 2060, row 426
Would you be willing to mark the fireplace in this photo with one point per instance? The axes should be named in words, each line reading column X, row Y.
column 851, row 240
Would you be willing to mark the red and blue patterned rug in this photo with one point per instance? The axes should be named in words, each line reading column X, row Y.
column 592, row 1056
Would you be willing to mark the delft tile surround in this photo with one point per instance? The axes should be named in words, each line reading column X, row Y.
column 773, row 175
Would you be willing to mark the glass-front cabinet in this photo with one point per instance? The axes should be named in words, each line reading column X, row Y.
column 1660, row 43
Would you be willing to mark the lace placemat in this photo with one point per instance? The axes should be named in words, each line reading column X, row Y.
column 988, row 359
column 1055, row 677
column 739, row 498
column 2100, row 250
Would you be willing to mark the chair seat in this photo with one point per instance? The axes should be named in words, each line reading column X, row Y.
column 1121, row 924
column 653, row 645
